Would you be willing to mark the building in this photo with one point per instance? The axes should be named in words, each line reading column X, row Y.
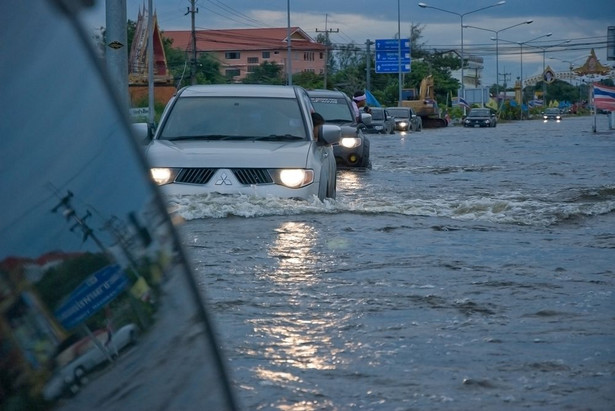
column 138, row 64
column 241, row 51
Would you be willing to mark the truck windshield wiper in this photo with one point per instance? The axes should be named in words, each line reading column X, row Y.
column 203, row 137
column 279, row 137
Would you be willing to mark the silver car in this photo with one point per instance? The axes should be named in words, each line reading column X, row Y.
column 255, row 140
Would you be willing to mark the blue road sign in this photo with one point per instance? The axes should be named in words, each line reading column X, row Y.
column 92, row 295
column 392, row 45
column 392, row 67
column 388, row 57
column 392, row 56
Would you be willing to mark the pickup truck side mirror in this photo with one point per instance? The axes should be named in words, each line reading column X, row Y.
column 93, row 275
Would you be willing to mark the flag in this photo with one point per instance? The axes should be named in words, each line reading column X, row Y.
column 461, row 102
column 371, row 100
column 604, row 97
column 492, row 104
column 536, row 102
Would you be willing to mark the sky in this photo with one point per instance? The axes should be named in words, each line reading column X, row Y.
column 575, row 26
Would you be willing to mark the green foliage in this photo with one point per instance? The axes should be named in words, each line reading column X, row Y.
column 61, row 280
column 208, row 70
column 309, row 80
column 266, row 73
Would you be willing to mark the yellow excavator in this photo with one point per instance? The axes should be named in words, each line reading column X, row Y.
column 425, row 106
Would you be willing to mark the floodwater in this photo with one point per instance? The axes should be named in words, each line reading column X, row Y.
column 468, row 269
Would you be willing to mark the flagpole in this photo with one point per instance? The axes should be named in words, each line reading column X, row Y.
column 591, row 98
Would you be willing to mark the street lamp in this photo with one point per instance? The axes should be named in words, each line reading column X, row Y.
column 497, row 57
column 461, row 15
column 570, row 63
column 521, row 43
column 399, row 76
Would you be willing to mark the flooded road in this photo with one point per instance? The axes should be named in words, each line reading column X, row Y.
column 468, row 269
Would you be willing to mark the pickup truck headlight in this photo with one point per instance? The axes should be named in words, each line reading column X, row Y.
column 350, row 142
column 163, row 175
column 294, row 177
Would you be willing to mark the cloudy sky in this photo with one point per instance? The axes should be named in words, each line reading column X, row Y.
column 579, row 25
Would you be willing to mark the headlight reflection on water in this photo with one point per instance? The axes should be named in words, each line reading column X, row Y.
column 294, row 341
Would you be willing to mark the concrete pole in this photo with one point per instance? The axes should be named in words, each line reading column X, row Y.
column 116, row 48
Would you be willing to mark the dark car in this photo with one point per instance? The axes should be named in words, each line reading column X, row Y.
column 382, row 121
column 336, row 108
column 552, row 114
column 406, row 119
column 480, row 117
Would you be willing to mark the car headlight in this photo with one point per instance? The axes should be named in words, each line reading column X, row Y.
column 163, row 175
column 294, row 177
column 403, row 124
column 350, row 142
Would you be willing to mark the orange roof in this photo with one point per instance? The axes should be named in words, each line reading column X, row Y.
column 243, row 39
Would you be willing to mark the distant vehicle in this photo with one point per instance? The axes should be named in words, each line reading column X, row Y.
column 243, row 139
column 424, row 103
column 552, row 113
column 406, row 119
column 81, row 357
column 382, row 121
column 336, row 108
column 480, row 117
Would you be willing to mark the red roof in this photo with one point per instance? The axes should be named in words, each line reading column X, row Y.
column 243, row 39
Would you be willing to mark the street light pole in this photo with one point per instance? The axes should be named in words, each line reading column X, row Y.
column 399, row 76
column 497, row 56
column 521, row 54
column 461, row 15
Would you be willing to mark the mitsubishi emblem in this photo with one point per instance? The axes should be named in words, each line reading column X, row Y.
column 224, row 180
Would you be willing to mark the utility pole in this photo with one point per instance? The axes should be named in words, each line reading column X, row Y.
column 327, row 31
column 368, row 66
column 193, row 11
column 116, row 50
column 506, row 77
column 80, row 222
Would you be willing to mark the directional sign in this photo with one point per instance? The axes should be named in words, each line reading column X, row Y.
column 392, row 68
column 392, row 56
column 92, row 295
column 388, row 57
column 392, row 45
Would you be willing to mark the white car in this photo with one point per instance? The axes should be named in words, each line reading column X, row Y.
column 253, row 140
column 83, row 356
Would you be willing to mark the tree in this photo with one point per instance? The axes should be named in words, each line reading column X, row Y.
column 265, row 73
column 309, row 80
column 208, row 70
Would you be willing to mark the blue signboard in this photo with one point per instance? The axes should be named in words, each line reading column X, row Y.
column 92, row 295
column 388, row 57
column 392, row 44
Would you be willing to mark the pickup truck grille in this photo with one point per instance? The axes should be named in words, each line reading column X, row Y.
column 245, row 176
column 252, row 175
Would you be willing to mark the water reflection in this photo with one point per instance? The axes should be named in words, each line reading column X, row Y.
column 349, row 181
column 295, row 341
column 294, row 251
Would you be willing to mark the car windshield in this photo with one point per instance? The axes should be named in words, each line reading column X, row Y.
column 377, row 114
column 479, row 113
column 333, row 108
column 399, row 112
column 552, row 111
column 230, row 118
